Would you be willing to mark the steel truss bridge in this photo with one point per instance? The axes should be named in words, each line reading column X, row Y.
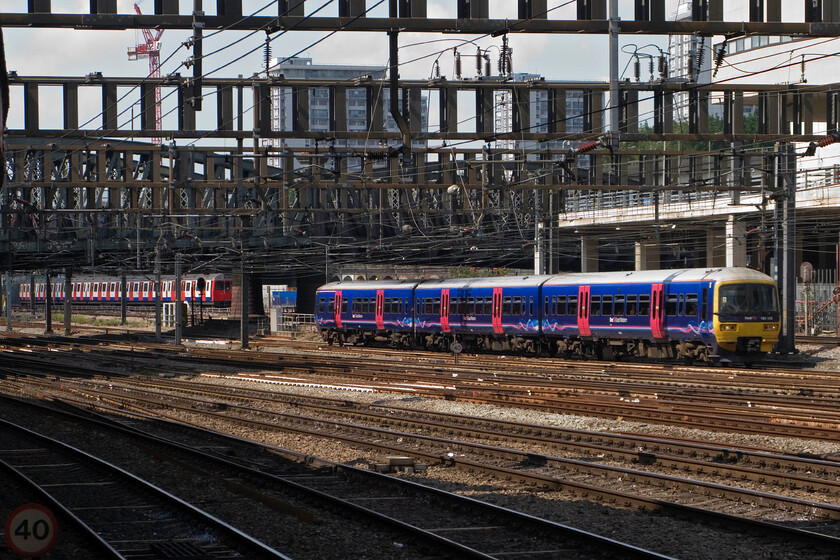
column 100, row 194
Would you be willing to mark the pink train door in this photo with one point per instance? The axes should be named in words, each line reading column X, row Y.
column 380, row 309
column 583, row 311
column 337, row 308
column 497, row 311
column 444, row 310
column 657, row 315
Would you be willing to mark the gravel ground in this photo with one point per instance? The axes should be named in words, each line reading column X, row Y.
column 673, row 537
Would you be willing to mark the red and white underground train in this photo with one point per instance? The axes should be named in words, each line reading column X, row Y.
column 97, row 289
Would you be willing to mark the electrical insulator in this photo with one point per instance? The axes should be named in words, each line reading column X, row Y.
column 437, row 69
column 721, row 52
column 663, row 66
column 587, row 147
column 267, row 53
column 457, row 65
column 504, row 58
column 802, row 68
column 701, row 52
column 487, row 70
column 478, row 62
column 650, row 67
column 637, row 68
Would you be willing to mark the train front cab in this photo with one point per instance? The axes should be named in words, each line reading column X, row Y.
column 746, row 320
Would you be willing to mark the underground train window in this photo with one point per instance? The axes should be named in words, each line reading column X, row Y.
column 607, row 305
column 671, row 304
column 644, row 304
column 631, row 304
column 747, row 298
column 594, row 305
column 561, row 306
column 618, row 306
column 691, row 305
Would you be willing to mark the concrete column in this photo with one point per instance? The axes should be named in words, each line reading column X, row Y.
column 736, row 243
column 589, row 254
column 647, row 255
column 715, row 247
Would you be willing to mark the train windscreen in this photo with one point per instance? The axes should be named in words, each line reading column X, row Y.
column 748, row 300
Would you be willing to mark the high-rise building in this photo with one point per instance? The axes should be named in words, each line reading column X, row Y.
column 358, row 105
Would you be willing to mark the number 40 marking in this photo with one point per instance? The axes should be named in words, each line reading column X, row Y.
column 31, row 530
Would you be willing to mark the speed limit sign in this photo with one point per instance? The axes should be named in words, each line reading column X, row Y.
column 31, row 530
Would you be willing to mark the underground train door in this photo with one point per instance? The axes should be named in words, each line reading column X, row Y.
column 583, row 311
column 444, row 310
column 337, row 309
column 380, row 309
column 497, row 311
column 657, row 310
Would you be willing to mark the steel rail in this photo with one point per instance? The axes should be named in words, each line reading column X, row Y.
column 199, row 406
column 447, row 544
column 249, row 544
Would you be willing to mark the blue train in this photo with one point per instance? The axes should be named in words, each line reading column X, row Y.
column 710, row 315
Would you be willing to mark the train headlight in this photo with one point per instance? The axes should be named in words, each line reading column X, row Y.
column 728, row 327
column 771, row 327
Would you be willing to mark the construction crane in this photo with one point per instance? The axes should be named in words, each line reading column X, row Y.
column 150, row 49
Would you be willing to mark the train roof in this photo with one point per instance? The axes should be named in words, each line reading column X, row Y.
column 490, row 282
column 574, row 278
column 660, row 276
column 369, row 285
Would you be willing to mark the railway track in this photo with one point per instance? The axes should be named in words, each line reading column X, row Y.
column 779, row 402
column 533, row 468
column 126, row 516
column 455, row 526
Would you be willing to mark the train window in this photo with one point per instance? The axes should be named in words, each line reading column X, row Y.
column 573, row 306
column 631, row 305
column 145, row 287
column 705, row 304
column 344, row 305
column 548, row 305
column 330, row 305
column 516, row 306
column 321, row 304
column 560, row 307
column 436, row 306
column 644, row 304
column 355, row 305
column 607, row 305
column 507, row 305
column 484, row 306
column 671, row 305
column 594, row 305
column 386, row 305
column 691, row 305
column 681, row 305
column 618, row 306
column 531, row 305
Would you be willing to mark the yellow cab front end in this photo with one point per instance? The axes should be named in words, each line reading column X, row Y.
column 746, row 318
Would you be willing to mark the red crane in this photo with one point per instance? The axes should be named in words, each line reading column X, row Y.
column 150, row 49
